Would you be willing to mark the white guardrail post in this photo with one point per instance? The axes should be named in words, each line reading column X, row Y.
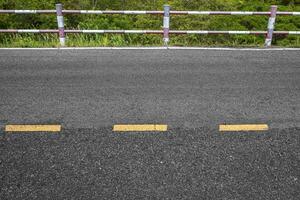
column 166, row 24
column 60, row 23
column 271, row 25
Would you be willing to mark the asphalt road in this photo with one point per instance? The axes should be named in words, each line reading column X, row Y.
column 192, row 91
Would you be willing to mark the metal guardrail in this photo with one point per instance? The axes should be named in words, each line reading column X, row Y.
column 166, row 22
column 136, row 12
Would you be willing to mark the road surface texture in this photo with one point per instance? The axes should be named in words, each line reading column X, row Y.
column 192, row 91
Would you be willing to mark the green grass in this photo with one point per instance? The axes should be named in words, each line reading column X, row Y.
column 144, row 22
column 114, row 40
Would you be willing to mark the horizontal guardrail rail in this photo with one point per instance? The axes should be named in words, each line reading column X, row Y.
column 229, row 13
column 166, row 22
column 149, row 32
column 137, row 12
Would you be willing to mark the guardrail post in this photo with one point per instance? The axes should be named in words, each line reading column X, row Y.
column 271, row 25
column 166, row 24
column 60, row 23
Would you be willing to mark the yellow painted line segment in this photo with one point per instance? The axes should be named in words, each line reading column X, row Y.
column 33, row 128
column 140, row 127
column 244, row 127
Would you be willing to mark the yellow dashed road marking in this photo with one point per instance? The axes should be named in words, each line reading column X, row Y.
column 140, row 127
column 244, row 127
column 33, row 128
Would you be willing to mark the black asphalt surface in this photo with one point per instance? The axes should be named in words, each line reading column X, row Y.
column 193, row 91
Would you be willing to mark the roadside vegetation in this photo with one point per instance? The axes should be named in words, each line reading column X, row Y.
column 37, row 21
